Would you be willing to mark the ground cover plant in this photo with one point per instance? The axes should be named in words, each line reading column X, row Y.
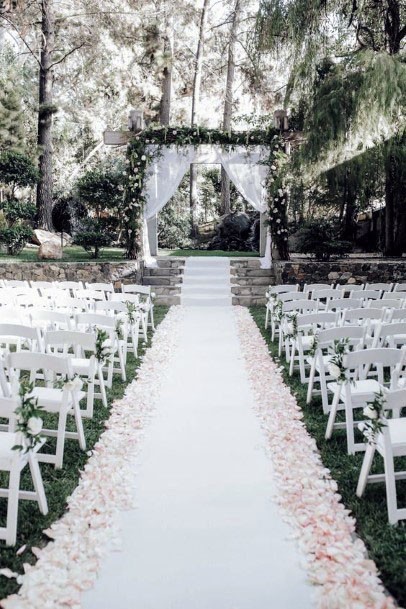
column 386, row 543
column 223, row 254
column 70, row 254
column 59, row 484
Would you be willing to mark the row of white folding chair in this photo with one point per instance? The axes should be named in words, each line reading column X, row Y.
column 360, row 389
column 78, row 345
column 374, row 333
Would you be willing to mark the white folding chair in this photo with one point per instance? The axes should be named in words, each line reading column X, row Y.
column 390, row 443
column 367, row 295
column 391, row 335
column 19, row 337
column 349, row 287
column 51, row 320
column 307, row 327
column 106, row 288
column 272, row 295
column 16, row 283
column 309, row 288
column 71, row 286
column 290, row 308
column 323, row 296
column 320, row 360
column 80, row 347
column 14, row 462
column 91, row 322
column 119, row 310
column 360, row 389
column 400, row 287
column 341, row 304
column 134, row 299
column 396, row 295
column 60, row 401
column 395, row 315
column 383, row 287
column 70, row 306
column 146, row 298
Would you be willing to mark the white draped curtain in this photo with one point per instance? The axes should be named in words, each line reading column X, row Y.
column 170, row 164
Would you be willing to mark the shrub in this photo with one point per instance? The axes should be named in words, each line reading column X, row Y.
column 319, row 239
column 15, row 238
column 67, row 213
column 17, row 169
column 92, row 236
column 14, row 210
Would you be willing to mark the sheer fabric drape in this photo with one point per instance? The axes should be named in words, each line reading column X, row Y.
column 244, row 168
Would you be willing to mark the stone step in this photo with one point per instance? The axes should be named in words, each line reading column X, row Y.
column 248, row 301
column 205, row 300
column 166, row 290
column 252, row 273
column 247, row 281
column 204, row 279
column 254, row 290
column 167, row 301
column 164, row 272
column 210, row 290
column 164, row 281
column 165, row 263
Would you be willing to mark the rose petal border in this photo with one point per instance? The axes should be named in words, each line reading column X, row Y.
column 335, row 559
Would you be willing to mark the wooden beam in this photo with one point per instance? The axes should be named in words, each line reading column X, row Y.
column 117, row 138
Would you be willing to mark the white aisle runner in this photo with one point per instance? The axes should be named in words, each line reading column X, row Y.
column 206, row 534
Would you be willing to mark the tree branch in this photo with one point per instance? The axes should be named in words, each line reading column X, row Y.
column 55, row 63
column 21, row 37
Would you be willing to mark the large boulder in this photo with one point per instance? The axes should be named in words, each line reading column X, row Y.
column 50, row 250
column 233, row 232
column 42, row 236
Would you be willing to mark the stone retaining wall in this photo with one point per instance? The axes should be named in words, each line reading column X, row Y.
column 116, row 272
column 342, row 271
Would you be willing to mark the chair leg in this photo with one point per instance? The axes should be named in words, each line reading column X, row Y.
column 38, row 483
column 90, row 398
column 391, row 490
column 332, row 415
column 121, row 360
column 365, row 469
column 12, row 505
column 292, row 358
column 60, row 439
column 144, row 328
column 266, row 317
column 79, row 425
column 101, row 384
column 349, row 425
column 151, row 313
column 311, row 383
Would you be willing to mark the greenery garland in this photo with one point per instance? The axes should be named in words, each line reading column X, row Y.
column 140, row 156
column 278, row 197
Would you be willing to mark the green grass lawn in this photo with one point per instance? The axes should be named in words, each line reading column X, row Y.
column 386, row 544
column 223, row 254
column 59, row 484
column 73, row 253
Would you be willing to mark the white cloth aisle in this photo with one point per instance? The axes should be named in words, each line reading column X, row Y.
column 206, row 534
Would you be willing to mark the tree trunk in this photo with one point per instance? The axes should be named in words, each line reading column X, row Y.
column 389, row 209
column 165, row 106
column 197, row 80
column 228, row 102
column 45, row 112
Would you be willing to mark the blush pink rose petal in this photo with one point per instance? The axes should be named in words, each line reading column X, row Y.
column 336, row 561
column 69, row 564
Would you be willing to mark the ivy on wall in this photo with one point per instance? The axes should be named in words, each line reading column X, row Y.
column 146, row 146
